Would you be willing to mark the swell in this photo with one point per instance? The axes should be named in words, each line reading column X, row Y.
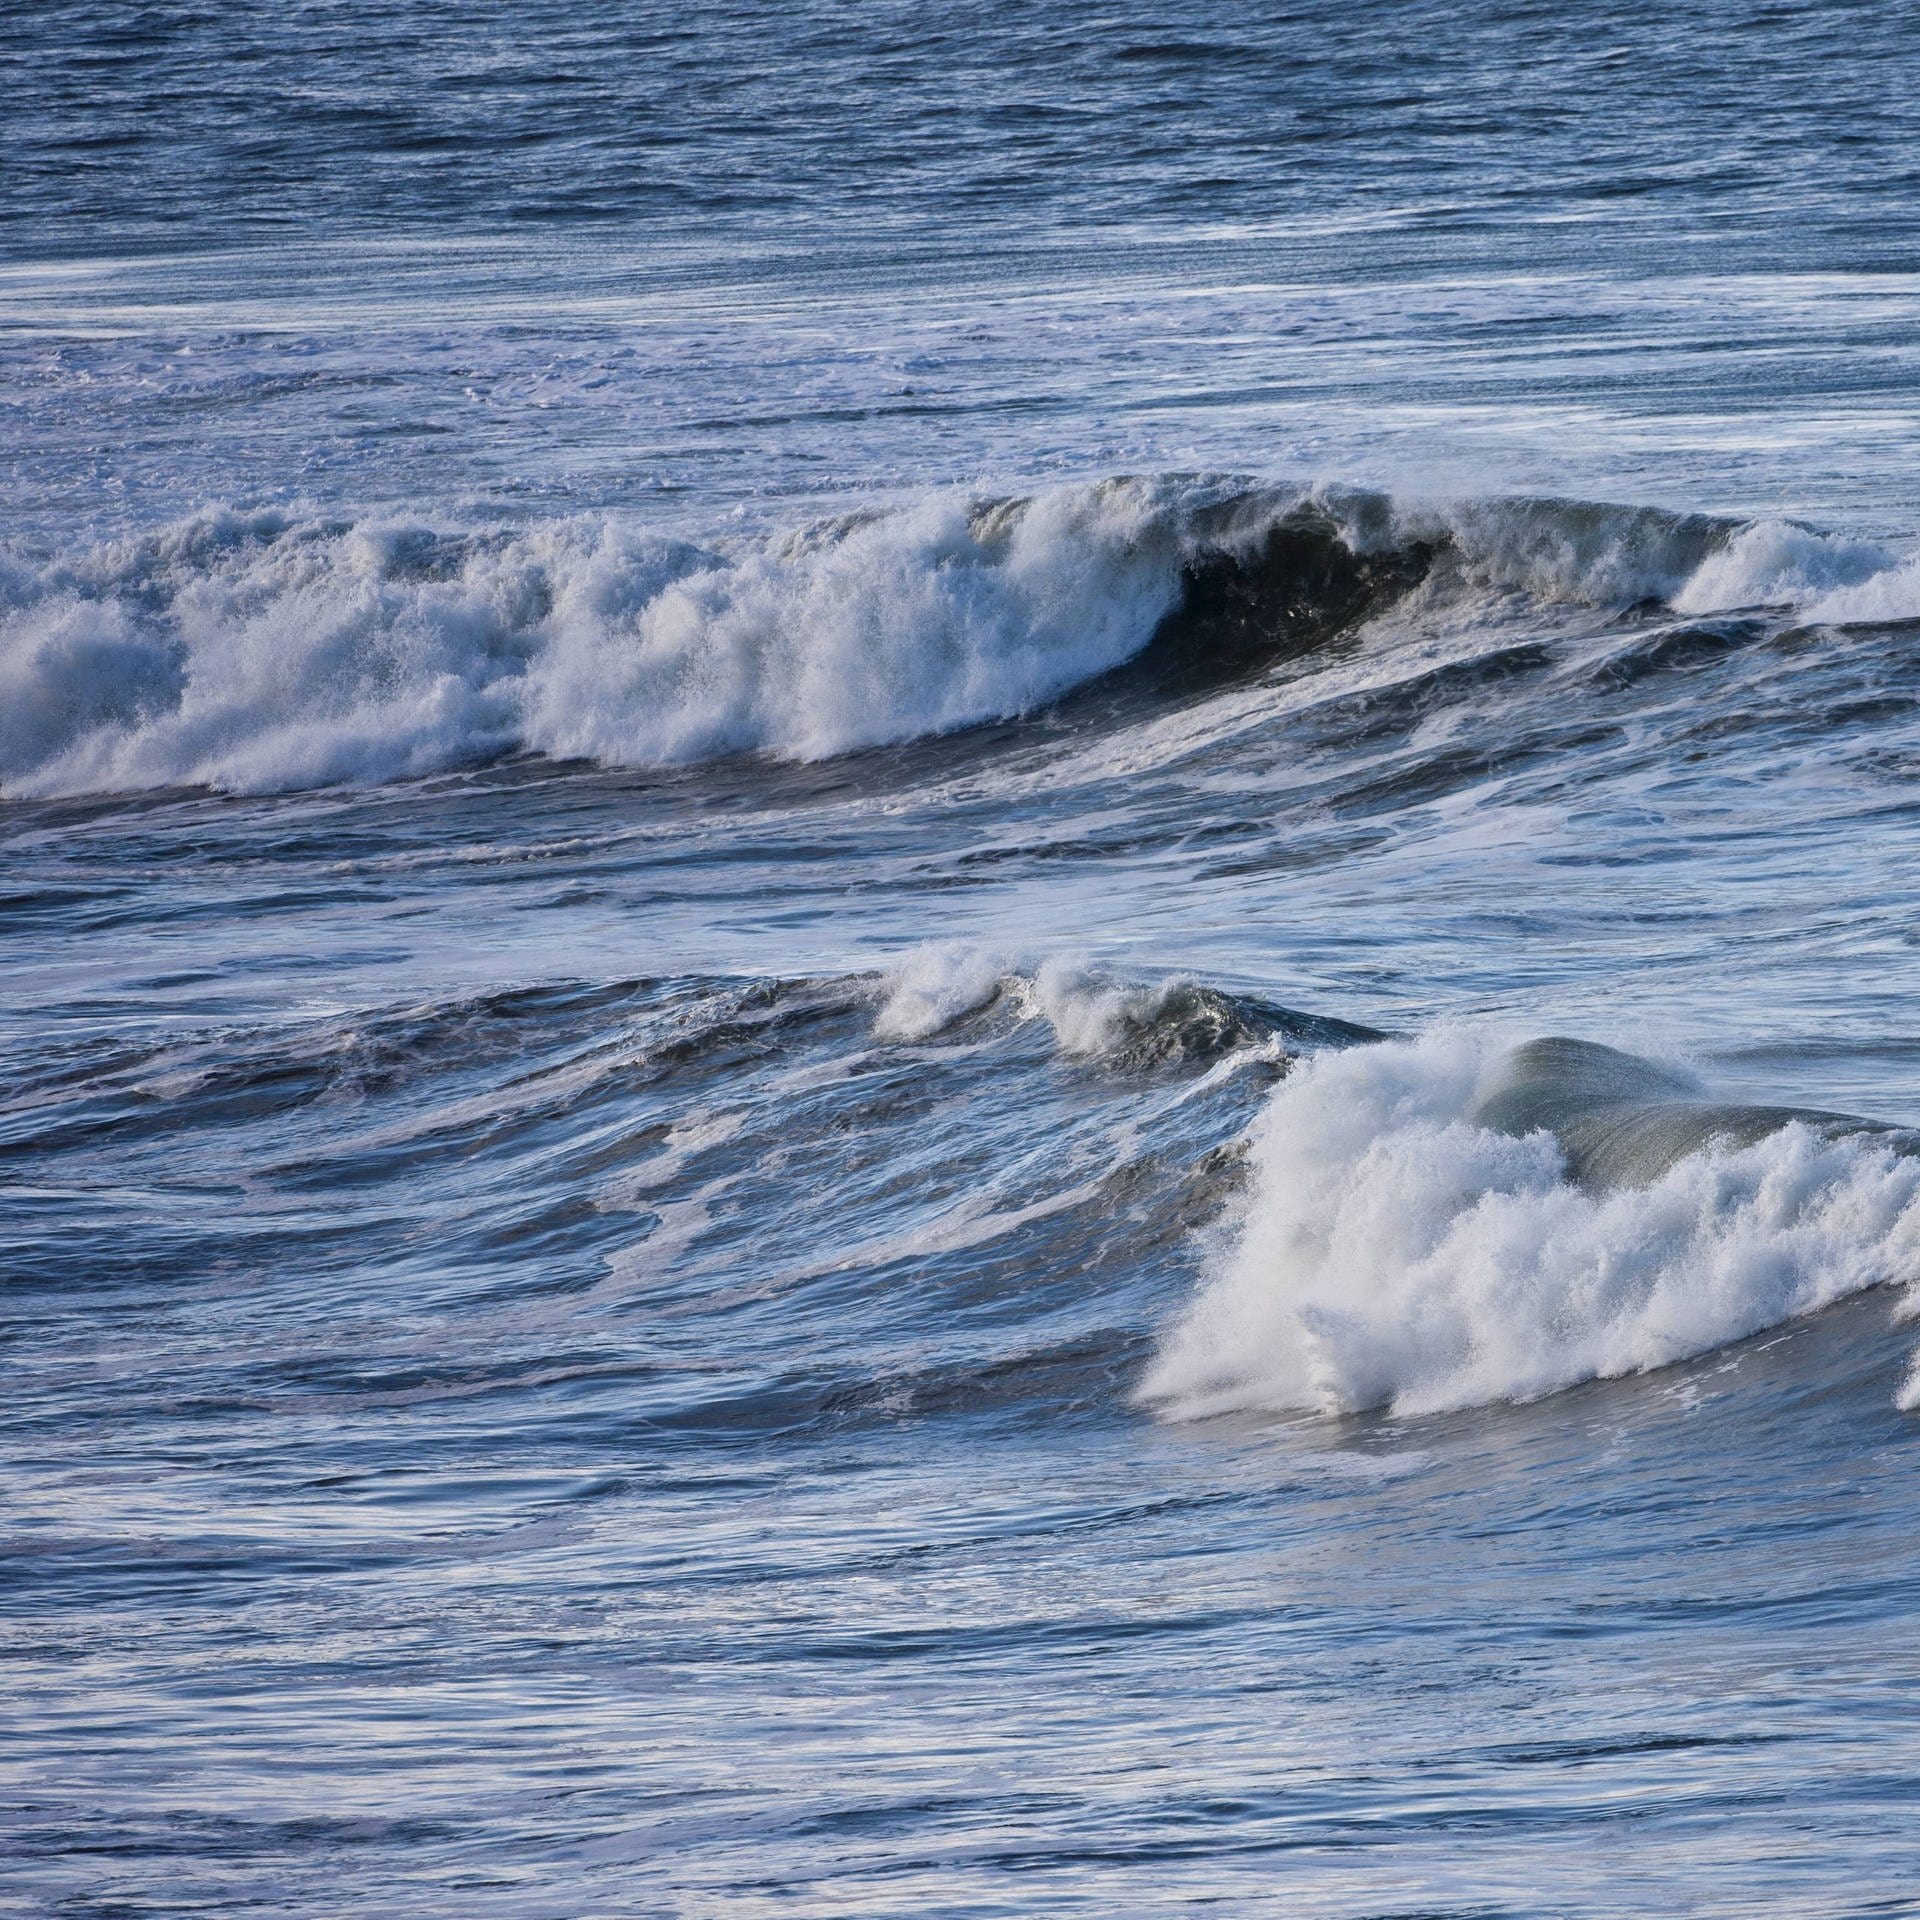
column 613, row 1189
column 252, row 651
column 1028, row 1159
column 486, row 1068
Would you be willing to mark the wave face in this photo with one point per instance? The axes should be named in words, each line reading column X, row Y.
column 1621, row 1121
column 1413, row 1239
column 257, row 651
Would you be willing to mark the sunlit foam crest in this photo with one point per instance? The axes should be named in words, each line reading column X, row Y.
column 258, row 651
column 1389, row 1253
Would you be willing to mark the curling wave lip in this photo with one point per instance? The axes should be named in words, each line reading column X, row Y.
column 1622, row 1121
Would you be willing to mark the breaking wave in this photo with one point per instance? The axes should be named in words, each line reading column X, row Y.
column 936, row 987
column 260, row 651
column 1390, row 1252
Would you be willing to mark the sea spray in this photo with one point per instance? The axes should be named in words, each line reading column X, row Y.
column 1391, row 1254
column 260, row 651
column 255, row 653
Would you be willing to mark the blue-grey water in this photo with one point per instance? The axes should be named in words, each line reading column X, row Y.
column 776, row 788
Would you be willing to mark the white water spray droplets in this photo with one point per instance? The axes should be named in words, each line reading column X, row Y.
column 932, row 986
column 254, row 652
column 907, row 624
column 1774, row 563
column 1390, row 1254
column 1584, row 552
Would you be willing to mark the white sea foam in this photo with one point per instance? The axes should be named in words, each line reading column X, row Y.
column 1390, row 1254
column 1596, row 554
column 1092, row 1015
column 1891, row 594
column 253, row 652
column 250, row 651
column 1773, row 563
column 930, row 987
column 909, row 624
column 1601, row 555
column 1566, row 550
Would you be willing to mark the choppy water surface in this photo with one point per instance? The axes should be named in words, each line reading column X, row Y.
column 779, row 800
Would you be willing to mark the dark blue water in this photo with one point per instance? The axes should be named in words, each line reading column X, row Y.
column 777, row 793
column 976, row 128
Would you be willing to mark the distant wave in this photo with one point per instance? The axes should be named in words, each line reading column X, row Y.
column 260, row 651
column 1411, row 1239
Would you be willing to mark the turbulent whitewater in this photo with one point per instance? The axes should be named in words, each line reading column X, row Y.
column 259, row 650
column 1412, row 1242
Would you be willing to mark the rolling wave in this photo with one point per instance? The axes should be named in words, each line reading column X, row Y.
column 1435, row 1224
column 938, row 987
column 259, row 651
column 1411, row 1224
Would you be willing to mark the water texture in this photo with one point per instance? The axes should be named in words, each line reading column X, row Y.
column 959, row 962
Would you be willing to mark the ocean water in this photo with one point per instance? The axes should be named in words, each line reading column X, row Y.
column 785, row 795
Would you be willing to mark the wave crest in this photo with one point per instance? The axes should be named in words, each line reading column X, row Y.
column 1130, row 1025
column 257, row 651
column 1392, row 1254
column 253, row 652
